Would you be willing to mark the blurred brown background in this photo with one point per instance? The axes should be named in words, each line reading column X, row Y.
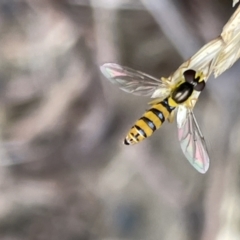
column 64, row 172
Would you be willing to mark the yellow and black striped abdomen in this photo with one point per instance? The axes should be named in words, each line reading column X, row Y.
column 149, row 122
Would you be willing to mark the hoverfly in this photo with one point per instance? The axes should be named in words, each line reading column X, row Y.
column 170, row 98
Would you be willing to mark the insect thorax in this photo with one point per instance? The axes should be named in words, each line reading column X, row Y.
column 182, row 92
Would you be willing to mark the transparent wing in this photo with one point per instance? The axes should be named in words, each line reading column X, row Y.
column 191, row 140
column 135, row 82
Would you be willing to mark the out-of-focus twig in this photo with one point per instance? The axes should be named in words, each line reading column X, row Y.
column 167, row 16
column 235, row 2
column 105, row 31
column 108, row 4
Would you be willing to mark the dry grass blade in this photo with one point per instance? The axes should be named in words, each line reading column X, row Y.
column 230, row 51
column 216, row 56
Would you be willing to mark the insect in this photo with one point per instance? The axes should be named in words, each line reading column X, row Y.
column 171, row 98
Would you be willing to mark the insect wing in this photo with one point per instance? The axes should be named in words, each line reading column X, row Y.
column 133, row 81
column 191, row 140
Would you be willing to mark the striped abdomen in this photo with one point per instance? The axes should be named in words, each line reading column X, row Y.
column 149, row 122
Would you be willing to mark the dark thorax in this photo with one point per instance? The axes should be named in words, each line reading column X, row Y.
column 185, row 89
column 182, row 92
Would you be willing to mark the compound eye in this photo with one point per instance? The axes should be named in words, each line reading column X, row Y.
column 189, row 75
column 200, row 86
